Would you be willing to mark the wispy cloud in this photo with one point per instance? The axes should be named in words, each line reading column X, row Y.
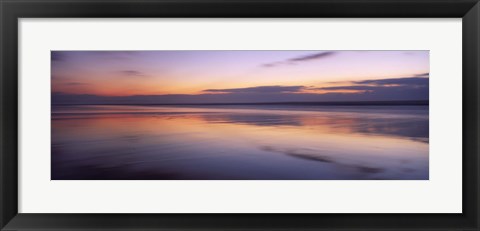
column 312, row 56
column 272, row 64
column 298, row 59
column 132, row 73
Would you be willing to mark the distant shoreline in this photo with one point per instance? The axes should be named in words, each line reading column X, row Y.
column 343, row 103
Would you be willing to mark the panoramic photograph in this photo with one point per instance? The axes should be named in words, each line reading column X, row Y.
column 240, row 115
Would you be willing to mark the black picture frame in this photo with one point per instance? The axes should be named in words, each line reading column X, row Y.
column 12, row 10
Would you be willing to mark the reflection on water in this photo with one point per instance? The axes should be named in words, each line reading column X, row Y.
column 234, row 142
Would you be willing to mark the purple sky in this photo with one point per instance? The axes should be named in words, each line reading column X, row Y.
column 239, row 76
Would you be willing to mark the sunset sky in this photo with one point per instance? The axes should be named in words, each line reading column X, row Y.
column 240, row 76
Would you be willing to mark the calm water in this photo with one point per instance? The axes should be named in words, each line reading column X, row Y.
column 239, row 142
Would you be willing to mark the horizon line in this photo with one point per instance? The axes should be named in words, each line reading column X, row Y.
column 322, row 103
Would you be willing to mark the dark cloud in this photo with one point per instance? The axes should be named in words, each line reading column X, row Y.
column 312, row 56
column 104, row 55
column 381, row 94
column 113, row 55
column 304, row 58
column 359, row 88
column 398, row 89
column 409, row 81
column 385, row 86
column 57, row 56
column 133, row 73
column 427, row 74
column 260, row 89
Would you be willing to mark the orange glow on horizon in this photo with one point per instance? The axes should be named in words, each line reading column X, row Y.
column 193, row 72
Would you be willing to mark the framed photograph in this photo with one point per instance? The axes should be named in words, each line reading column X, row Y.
column 229, row 115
